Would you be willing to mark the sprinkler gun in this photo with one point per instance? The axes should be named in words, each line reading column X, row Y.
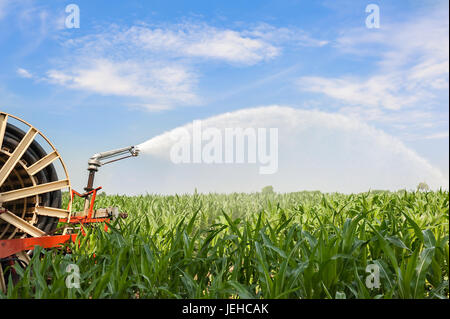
column 97, row 160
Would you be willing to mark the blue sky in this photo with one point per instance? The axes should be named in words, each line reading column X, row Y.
column 135, row 69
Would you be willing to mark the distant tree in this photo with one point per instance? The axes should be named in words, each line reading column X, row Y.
column 267, row 190
column 379, row 191
column 423, row 187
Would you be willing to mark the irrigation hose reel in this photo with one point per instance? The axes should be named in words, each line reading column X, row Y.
column 31, row 192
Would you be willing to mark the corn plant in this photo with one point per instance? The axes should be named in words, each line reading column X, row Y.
column 296, row 245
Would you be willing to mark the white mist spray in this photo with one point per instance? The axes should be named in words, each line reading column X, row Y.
column 317, row 150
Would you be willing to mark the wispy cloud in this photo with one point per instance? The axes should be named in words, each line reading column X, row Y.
column 159, row 64
column 4, row 7
column 128, row 78
column 32, row 21
column 435, row 136
column 205, row 42
column 411, row 68
column 24, row 73
column 295, row 36
column 386, row 91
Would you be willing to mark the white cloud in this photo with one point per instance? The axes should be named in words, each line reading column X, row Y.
column 378, row 91
column 197, row 41
column 152, row 107
column 440, row 135
column 24, row 73
column 293, row 36
column 127, row 78
column 157, row 65
column 410, row 75
column 203, row 41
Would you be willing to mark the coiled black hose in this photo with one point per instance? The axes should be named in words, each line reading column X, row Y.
column 13, row 135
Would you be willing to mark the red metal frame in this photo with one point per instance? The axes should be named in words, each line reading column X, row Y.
column 86, row 219
column 10, row 247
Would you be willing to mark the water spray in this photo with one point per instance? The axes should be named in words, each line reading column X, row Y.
column 313, row 146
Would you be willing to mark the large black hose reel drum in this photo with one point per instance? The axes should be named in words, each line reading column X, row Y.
column 30, row 189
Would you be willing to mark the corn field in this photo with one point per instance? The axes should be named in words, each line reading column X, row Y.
column 297, row 245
